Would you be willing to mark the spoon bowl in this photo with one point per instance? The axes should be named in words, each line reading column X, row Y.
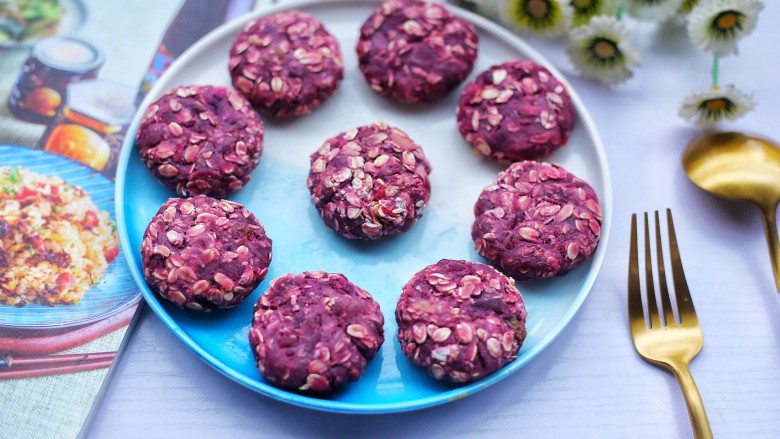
column 740, row 167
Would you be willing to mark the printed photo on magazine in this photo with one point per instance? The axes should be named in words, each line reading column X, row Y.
column 67, row 97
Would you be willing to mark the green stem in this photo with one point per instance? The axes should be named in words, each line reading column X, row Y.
column 620, row 9
column 715, row 72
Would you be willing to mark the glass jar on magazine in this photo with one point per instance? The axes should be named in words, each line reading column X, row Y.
column 92, row 124
column 39, row 91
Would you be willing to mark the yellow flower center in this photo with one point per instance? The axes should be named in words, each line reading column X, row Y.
column 716, row 104
column 538, row 8
column 604, row 49
column 727, row 20
column 582, row 4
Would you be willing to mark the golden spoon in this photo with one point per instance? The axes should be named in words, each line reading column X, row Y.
column 740, row 167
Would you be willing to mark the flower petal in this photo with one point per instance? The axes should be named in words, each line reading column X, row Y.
column 652, row 10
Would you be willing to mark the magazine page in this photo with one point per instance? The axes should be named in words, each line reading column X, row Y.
column 72, row 75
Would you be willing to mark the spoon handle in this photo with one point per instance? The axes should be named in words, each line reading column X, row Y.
column 769, row 215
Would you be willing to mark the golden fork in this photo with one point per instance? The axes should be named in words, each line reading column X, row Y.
column 667, row 343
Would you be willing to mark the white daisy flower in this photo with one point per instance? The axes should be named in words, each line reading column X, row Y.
column 600, row 50
column 717, row 26
column 584, row 10
column 485, row 8
column 544, row 18
column 652, row 10
column 706, row 108
column 687, row 6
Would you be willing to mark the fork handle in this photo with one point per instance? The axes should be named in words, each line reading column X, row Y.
column 699, row 421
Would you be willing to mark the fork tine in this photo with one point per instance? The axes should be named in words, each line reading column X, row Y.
column 666, row 302
column 652, row 306
column 635, row 312
column 685, row 307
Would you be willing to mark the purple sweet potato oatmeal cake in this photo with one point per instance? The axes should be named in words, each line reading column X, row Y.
column 286, row 64
column 315, row 332
column 536, row 220
column 460, row 320
column 202, row 253
column 515, row 111
column 414, row 51
column 201, row 140
column 369, row 182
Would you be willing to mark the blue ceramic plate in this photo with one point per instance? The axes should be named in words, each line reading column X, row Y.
column 115, row 291
column 277, row 194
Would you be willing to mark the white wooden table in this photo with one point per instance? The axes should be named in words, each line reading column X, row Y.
column 589, row 382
